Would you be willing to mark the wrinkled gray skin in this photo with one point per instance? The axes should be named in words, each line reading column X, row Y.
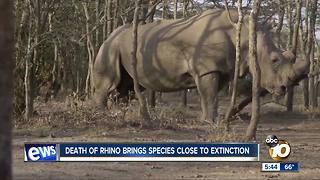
column 188, row 53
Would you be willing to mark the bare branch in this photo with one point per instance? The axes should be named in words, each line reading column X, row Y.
column 229, row 15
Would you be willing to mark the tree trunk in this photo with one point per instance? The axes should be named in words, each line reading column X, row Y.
column 55, row 58
column 144, row 10
column 185, row 92
column 77, row 76
column 296, row 27
column 91, row 54
column 146, row 122
column 105, row 23
column 165, row 9
column 63, row 80
column 303, row 49
column 6, row 85
column 311, row 32
column 27, row 83
column 97, row 29
column 305, row 89
column 238, row 27
column 152, row 11
column 22, row 23
column 281, row 18
column 143, row 18
column 115, row 14
column 290, row 22
column 316, row 94
column 175, row 11
column 185, row 8
column 311, row 79
column 28, row 70
column 290, row 89
column 255, row 70
column 317, row 78
column 109, row 17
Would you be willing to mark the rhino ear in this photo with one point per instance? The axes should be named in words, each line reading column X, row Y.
column 289, row 55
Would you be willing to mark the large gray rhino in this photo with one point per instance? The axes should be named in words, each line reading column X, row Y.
column 188, row 53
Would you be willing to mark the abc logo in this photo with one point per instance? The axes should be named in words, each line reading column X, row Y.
column 272, row 140
column 279, row 149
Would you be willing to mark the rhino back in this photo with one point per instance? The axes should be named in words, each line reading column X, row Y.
column 170, row 52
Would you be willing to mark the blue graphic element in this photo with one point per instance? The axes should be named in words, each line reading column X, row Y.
column 289, row 166
column 159, row 150
column 40, row 152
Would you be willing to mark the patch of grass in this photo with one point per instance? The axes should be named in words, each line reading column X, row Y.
column 169, row 116
column 312, row 113
column 76, row 113
column 221, row 135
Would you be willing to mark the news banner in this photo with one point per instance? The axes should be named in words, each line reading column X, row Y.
column 196, row 152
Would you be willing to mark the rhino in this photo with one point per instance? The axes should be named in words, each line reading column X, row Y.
column 198, row 52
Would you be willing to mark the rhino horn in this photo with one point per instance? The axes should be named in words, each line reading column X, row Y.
column 289, row 56
column 301, row 67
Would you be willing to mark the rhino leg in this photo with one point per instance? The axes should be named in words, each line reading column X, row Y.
column 208, row 89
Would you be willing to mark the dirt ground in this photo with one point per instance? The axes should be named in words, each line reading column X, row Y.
column 298, row 128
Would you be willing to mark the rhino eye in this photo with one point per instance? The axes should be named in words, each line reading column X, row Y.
column 275, row 60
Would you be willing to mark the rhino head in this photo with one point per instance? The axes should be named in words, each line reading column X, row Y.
column 278, row 69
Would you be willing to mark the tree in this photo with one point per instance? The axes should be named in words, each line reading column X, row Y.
column 91, row 53
column 109, row 17
column 116, row 14
column 143, row 17
column 238, row 27
column 303, row 49
column 175, row 11
column 310, row 53
column 165, row 9
column 152, row 10
column 185, row 5
column 142, row 101
column 307, row 43
column 290, row 89
column 97, row 40
column 6, row 85
column 28, row 69
column 255, row 70
column 54, row 71
column 311, row 44
column 281, row 18
column 290, row 23
column 144, row 10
